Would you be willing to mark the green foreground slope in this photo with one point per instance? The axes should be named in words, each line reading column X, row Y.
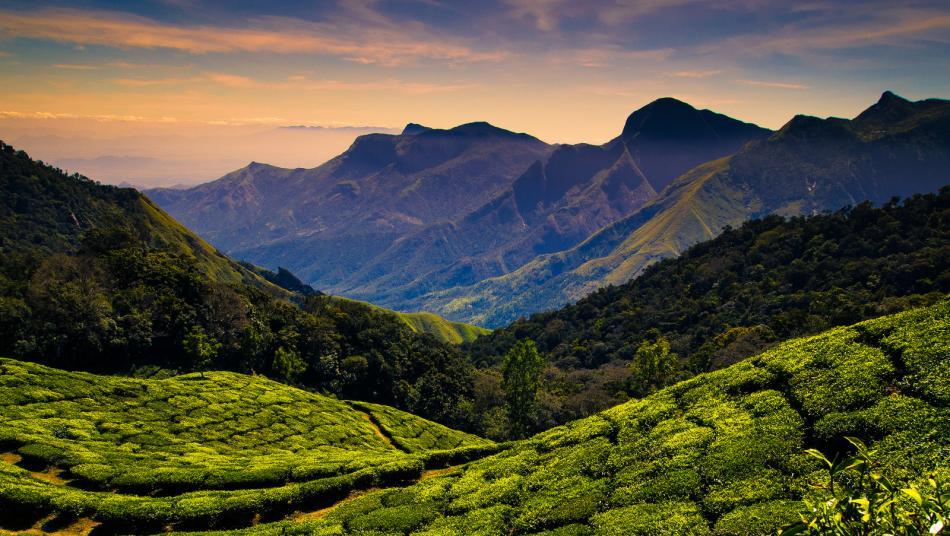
column 195, row 451
column 722, row 453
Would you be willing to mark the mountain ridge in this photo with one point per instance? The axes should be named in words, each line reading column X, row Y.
column 808, row 165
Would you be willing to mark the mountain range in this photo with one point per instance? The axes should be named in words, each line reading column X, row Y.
column 483, row 225
column 396, row 217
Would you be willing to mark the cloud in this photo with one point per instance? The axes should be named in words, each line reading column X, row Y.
column 607, row 56
column 76, row 66
column 774, row 85
column 295, row 82
column 825, row 31
column 695, row 74
column 545, row 14
column 369, row 45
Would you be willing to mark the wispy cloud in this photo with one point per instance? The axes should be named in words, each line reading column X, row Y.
column 379, row 45
column 295, row 82
column 119, row 118
column 885, row 25
column 695, row 74
column 608, row 56
column 773, row 85
column 75, row 66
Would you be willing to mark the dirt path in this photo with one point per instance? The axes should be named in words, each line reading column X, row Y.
column 10, row 457
column 317, row 514
column 377, row 430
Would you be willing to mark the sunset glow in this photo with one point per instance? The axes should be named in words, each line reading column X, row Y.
column 563, row 71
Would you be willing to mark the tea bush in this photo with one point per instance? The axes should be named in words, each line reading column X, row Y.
column 199, row 450
column 722, row 453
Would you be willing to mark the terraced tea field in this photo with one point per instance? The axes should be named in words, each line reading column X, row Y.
column 722, row 453
column 218, row 450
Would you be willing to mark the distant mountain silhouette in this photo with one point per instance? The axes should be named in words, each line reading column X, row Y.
column 894, row 148
column 397, row 217
column 327, row 222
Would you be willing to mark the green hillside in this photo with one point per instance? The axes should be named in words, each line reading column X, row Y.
column 722, row 453
column 433, row 324
column 42, row 211
column 96, row 278
column 442, row 329
column 729, row 298
column 191, row 451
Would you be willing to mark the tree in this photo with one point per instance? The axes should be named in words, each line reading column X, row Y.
column 288, row 364
column 200, row 348
column 521, row 378
column 653, row 366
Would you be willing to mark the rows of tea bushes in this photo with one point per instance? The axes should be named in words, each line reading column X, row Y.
column 721, row 453
column 216, row 449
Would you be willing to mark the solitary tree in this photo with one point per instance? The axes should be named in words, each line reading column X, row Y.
column 653, row 366
column 521, row 377
column 201, row 348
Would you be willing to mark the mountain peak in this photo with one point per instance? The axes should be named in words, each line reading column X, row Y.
column 481, row 128
column 414, row 128
column 663, row 118
column 814, row 129
column 889, row 108
column 889, row 97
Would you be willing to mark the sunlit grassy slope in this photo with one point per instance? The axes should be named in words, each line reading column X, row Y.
column 722, row 453
column 433, row 324
column 195, row 451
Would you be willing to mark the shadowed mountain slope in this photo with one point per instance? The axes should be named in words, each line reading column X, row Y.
column 325, row 223
column 895, row 148
column 396, row 217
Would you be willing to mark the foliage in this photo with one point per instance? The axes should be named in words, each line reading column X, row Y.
column 432, row 324
column 729, row 298
column 864, row 501
column 653, row 366
column 521, row 373
column 196, row 450
column 202, row 349
column 96, row 278
column 722, row 453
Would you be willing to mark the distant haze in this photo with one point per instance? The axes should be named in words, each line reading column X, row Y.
column 139, row 90
column 168, row 154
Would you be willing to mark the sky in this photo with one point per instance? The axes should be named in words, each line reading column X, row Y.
column 178, row 91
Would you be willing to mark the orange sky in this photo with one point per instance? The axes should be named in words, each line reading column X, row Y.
column 87, row 81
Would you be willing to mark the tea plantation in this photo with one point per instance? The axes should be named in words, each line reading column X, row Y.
column 222, row 449
column 722, row 453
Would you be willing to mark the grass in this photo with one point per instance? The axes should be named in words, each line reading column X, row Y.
column 433, row 324
column 722, row 453
column 196, row 451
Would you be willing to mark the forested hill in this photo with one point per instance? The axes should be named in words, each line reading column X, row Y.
column 728, row 298
column 97, row 278
column 43, row 211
